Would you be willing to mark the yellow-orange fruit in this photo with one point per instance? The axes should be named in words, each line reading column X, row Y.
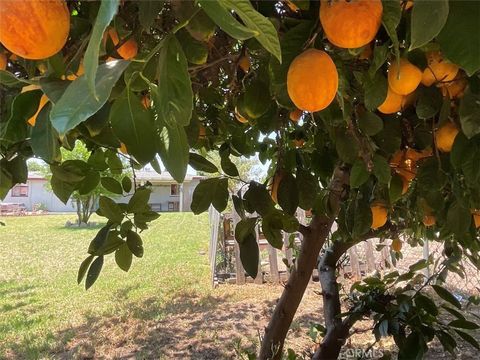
column 299, row 143
column 351, row 24
column 3, row 61
column 403, row 166
column 202, row 132
column 416, row 155
column 128, row 50
column 405, row 78
column 312, row 80
column 146, row 101
column 429, row 220
column 43, row 100
column 240, row 118
column 454, row 89
column 379, row 215
column 476, row 218
column 295, row 115
column 275, row 184
column 34, row 29
column 392, row 104
column 123, row 148
column 244, row 64
column 396, row 245
column 438, row 70
column 445, row 136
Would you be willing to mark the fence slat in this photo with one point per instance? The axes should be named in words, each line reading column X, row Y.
column 272, row 259
column 239, row 270
column 370, row 256
column 259, row 278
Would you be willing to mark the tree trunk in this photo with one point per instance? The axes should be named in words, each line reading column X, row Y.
column 337, row 330
column 79, row 211
column 314, row 238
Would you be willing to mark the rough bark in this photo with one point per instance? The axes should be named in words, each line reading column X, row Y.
column 314, row 238
column 337, row 330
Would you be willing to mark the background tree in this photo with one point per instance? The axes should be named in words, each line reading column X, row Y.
column 368, row 111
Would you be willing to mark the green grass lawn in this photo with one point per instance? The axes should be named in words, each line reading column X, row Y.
column 39, row 259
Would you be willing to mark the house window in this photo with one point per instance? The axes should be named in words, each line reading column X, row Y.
column 20, row 191
column 174, row 190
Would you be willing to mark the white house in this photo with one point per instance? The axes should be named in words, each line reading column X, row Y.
column 167, row 194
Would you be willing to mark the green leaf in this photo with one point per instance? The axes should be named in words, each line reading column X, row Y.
column 381, row 169
column 288, row 194
column 266, row 34
column 199, row 163
column 359, row 174
column 447, row 341
column 347, row 148
column 126, row 184
column 419, row 265
column 139, row 201
column 460, row 37
column 395, row 188
column 44, row 138
column 173, row 99
column 195, row 51
column 53, row 88
column 228, row 166
column 221, row 15
column 83, row 268
column 94, row 272
column 62, row 189
column 272, row 229
column 112, row 185
column 77, row 103
column 110, row 209
column 470, row 114
column 134, row 126
column 307, row 189
column 148, row 10
column 375, row 90
column 427, row 21
column 468, row 338
column 114, row 162
column 210, row 191
column 9, row 80
column 446, row 295
column 369, row 123
column 24, row 106
column 135, row 243
column 106, row 12
column 463, row 324
column 392, row 13
column 458, row 219
column 245, row 228
column 362, row 218
column 173, row 149
column 426, row 304
column 91, row 181
column 258, row 199
column 250, row 255
column 123, row 257
column 380, row 53
column 429, row 102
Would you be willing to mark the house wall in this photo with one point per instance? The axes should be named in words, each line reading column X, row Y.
column 38, row 194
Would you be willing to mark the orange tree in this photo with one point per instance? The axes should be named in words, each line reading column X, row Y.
column 367, row 110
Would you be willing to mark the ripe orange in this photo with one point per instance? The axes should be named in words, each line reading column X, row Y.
column 392, row 104
column 299, row 143
column 244, row 64
column 128, row 50
column 445, row 136
column 295, row 115
column 396, row 245
column 146, row 101
column 454, row 89
column 403, row 166
column 123, row 148
column 277, row 178
column 405, row 78
column 416, row 155
column 351, row 23
column 379, row 215
column 476, row 218
column 438, row 70
column 33, row 119
column 240, row 118
column 3, row 61
column 34, row 29
column 429, row 220
column 312, row 80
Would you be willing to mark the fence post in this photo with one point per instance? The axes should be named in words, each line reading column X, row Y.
column 426, row 254
column 239, row 270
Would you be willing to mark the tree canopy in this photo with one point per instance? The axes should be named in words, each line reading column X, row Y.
column 368, row 114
